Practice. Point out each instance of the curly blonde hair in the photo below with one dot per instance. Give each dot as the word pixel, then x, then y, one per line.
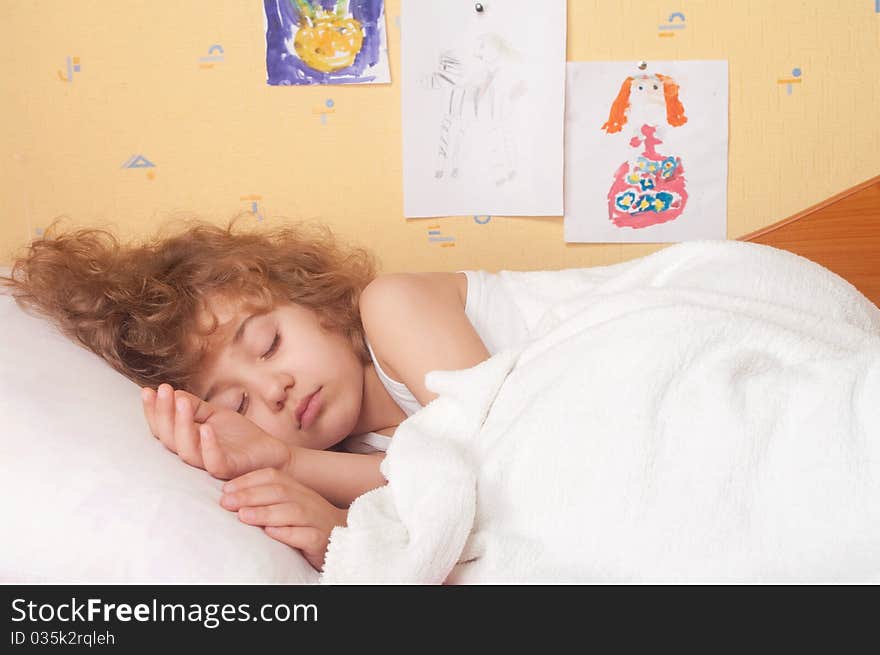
pixel 138 306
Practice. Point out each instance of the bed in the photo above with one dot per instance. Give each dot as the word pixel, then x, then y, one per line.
pixel 99 501
pixel 842 233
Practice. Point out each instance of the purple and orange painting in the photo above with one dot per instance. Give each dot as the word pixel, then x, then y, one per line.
pixel 325 42
pixel 649 188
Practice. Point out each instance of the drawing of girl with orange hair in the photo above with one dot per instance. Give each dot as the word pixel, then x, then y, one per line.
pixel 650 188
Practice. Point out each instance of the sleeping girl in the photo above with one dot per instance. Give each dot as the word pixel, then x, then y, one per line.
pixel 704 413
pixel 278 360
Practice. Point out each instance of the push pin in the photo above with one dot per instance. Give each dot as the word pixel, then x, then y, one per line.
pixel 479 7
pixel 643 65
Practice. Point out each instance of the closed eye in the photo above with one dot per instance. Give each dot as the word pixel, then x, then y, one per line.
pixel 243 405
pixel 273 347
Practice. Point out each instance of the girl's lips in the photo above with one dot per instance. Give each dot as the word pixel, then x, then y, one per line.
pixel 310 406
pixel 303 403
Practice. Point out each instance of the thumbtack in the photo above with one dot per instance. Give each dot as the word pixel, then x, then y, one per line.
pixel 479 7
pixel 643 65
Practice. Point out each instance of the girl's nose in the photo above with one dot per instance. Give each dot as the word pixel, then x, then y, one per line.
pixel 277 395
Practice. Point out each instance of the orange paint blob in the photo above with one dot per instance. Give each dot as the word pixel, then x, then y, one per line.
pixel 329 43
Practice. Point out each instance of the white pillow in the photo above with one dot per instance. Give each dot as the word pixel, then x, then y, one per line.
pixel 91 496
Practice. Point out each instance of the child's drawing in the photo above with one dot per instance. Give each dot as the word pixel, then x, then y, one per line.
pixel 483 96
pixel 646 151
pixel 326 42
pixel 649 188
pixel 479 90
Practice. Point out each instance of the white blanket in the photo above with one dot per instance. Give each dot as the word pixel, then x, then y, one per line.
pixel 709 413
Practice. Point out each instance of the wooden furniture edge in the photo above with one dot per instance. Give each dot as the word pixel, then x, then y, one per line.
pixel 811 210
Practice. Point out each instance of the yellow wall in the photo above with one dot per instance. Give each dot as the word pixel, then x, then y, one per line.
pixel 219 136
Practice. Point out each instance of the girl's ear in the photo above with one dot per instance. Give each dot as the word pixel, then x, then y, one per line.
pixel 619 108
pixel 674 109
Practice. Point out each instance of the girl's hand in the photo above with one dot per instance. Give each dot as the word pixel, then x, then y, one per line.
pixel 289 511
pixel 219 440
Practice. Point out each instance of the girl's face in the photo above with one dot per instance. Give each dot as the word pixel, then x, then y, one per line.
pixel 647 89
pixel 278 359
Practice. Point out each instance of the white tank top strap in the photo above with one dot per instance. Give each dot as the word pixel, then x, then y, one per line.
pixel 396 389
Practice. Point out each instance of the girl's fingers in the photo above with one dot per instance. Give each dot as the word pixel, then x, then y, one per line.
pixel 298 537
pixel 149 399
pixel 202 411
pixel 259 476
pixel 164 416
pixel 280 514
pixel 186 435
pixel 311 541
pixel 216 463
pixel 263 494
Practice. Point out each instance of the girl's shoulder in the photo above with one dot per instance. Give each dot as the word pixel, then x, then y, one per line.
pixel 439 285
pixel 416 323
pixel 449 282
pixel 438 288
pixel 445 284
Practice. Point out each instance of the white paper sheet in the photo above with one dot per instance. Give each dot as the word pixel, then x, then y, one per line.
pixel 670 183
pixel 483 103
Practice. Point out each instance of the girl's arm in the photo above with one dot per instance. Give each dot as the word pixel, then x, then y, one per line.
pixel 339 477
pixel 416 323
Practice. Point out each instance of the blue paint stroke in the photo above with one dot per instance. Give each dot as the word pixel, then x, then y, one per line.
pixel 216 57
pixel 138 161
pixel 256 211
pixel 670 27
pixel 478 221
pixel 681 15
pixel 286 69
pixel 71 69
pixel 797 73
pixel 441 238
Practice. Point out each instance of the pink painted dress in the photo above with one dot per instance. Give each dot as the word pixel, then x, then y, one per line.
pixel 648 190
